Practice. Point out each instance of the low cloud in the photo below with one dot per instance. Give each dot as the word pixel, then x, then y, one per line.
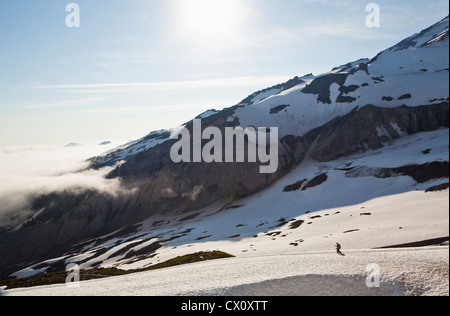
pixel 27 172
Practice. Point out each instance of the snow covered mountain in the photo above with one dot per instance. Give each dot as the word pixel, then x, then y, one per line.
pixel 359 146
pixel 363 201
pixel 412 73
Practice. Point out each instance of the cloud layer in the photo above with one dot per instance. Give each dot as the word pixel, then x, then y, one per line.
pixel 26 172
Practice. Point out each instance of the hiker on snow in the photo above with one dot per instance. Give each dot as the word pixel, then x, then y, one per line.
pixel 338 249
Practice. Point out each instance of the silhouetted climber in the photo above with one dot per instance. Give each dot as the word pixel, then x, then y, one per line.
pixel 338 249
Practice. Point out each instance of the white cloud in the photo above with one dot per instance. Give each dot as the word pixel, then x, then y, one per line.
pixel 66 103
pixel 26 172
pixel 165 86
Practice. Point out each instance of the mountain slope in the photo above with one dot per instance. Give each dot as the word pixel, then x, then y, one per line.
pixel 363 201
pixel 405 272
pixel 413 73
pixel 330 128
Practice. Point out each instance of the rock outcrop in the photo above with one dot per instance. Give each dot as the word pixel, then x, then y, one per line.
pixel 372 127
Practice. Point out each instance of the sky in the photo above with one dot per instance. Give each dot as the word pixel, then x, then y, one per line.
pixel 135 66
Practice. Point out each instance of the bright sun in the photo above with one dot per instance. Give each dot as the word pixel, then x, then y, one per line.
pixel 210 17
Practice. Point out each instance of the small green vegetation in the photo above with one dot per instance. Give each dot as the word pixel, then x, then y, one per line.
pixel 196 257
pixel 60 277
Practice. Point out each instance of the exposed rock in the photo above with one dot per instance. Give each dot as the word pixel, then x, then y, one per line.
pixel 296 224
pixel 279 108
pixel 316 181
pixel 321 86
pixel 351 231
pixel 440 187
pixel 282 87
pixel 422 243
pixel 405 96
pixel 357 131
pixel 294 187
pixel 349 89
pixel 420 173
pixel 378 79
pixel 147 250
pixel 345 99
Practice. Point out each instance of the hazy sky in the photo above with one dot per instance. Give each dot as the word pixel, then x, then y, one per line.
pixel 140 65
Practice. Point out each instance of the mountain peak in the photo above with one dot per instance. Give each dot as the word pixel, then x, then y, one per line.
pixel 430 36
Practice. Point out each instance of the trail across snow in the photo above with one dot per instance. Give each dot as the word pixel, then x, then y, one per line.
pixel 414 271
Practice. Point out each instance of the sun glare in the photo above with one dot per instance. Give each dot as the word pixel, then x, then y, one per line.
pixel 208 18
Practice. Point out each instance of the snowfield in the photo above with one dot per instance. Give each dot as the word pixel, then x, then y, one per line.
pixel 418 271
